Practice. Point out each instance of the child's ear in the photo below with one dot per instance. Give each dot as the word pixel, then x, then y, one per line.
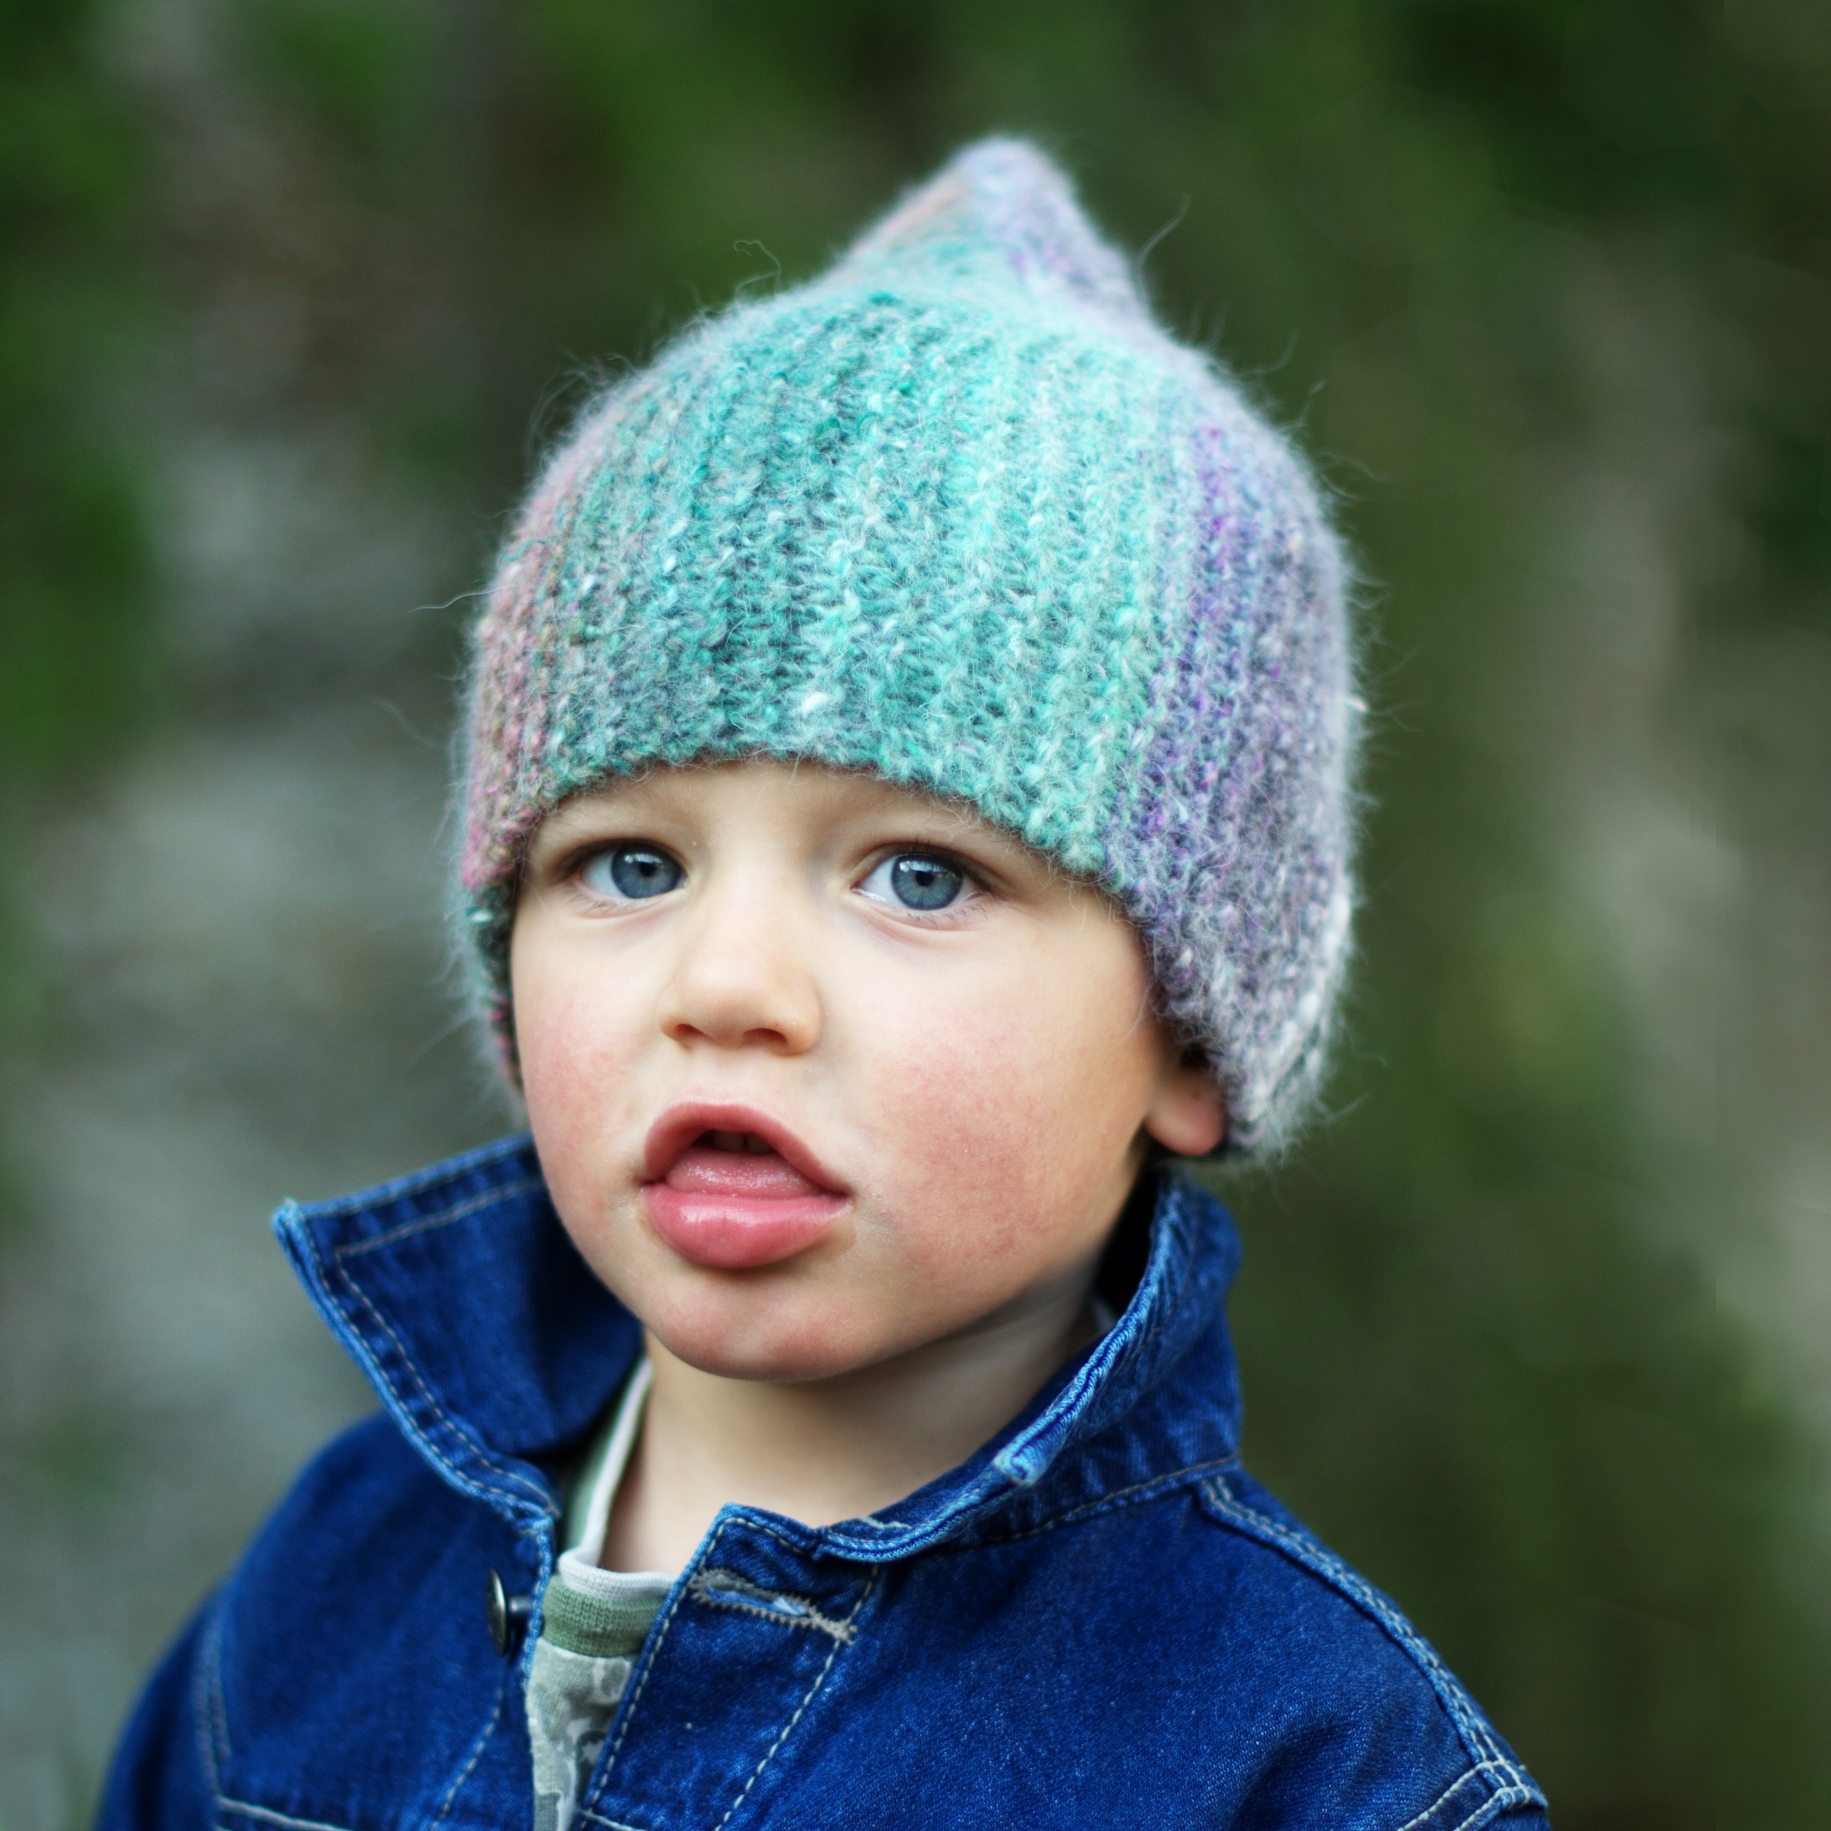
pixel 1187 1115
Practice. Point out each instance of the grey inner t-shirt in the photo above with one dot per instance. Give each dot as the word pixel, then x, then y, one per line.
pixel 593 1624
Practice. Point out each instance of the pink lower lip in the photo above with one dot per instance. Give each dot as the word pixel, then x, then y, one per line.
pixel 734 1209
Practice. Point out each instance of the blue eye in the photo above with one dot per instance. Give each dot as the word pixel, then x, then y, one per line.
pixel 631 873
pixel 917 880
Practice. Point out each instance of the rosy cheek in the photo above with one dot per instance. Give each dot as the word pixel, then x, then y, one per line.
pixel 575 1078
pixel 964 1115
pixel 552 1036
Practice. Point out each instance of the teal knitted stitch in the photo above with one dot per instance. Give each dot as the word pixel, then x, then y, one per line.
pixel 960 512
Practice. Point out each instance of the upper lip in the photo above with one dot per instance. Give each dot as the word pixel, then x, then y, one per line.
pixel 681 1125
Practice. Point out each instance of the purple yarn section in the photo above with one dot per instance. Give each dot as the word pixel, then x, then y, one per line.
pixel 1235 850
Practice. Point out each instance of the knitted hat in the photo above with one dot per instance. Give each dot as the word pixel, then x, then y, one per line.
pixel 959 512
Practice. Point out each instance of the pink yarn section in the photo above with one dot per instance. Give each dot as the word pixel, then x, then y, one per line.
pixel 511 704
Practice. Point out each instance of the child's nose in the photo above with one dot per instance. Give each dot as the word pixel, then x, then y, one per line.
pixel 742 979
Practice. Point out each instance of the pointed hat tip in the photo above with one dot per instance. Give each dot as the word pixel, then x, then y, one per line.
pixel 1001 210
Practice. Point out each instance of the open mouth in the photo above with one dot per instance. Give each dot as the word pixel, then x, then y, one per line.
pixel 731 1187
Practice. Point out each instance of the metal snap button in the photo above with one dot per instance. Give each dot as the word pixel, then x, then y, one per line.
pixel 507 1616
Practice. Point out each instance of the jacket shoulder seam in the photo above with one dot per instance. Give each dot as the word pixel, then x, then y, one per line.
pixel 1487 1808
pixel 1491 1763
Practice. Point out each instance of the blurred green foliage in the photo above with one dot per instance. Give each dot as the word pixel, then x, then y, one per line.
pixel 1483 250
pixel 74 555
pixel 76 634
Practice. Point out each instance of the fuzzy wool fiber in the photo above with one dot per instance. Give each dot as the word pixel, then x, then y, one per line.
pixel 960 512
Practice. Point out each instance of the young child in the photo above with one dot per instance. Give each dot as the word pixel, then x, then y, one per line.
pixel 907 804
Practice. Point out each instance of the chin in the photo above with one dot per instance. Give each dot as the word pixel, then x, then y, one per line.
pixel 775 1347
pixel 768 1362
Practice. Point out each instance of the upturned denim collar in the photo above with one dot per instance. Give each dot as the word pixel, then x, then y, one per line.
pixel 495 1349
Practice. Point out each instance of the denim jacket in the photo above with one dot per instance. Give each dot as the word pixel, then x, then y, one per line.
pixel 1098 1619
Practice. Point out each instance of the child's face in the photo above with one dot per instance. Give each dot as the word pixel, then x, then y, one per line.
pixel 822 1070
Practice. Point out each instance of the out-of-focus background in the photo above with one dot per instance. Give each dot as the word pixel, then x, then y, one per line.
pixel 1538 1328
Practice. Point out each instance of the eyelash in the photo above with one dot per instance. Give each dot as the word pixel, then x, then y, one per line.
pixel 955 914
pixel 968 905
